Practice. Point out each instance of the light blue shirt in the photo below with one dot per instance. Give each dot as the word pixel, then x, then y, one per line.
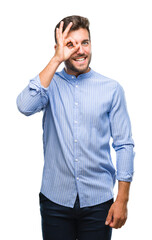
pixel 80 116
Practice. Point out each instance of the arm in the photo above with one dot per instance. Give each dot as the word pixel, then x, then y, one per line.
pixel 62 53
pixel 35 96
pixel 117 215
pixel 123 145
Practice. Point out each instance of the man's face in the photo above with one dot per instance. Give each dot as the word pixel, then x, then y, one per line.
pixel 79 61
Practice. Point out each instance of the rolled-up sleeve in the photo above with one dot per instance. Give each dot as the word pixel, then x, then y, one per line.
pixel 122 136
pixel 33 98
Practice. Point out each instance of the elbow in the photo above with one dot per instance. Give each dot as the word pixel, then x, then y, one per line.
pixel 125 143
pixel 125 146
pixel 22 107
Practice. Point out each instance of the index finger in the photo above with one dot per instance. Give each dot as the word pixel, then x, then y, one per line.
pixel 66 31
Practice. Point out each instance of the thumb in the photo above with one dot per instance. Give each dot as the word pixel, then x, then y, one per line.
pixel 75 48
pixel 109 217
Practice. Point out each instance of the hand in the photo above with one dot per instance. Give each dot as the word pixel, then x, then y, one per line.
pixel 117 214
pixel 63 50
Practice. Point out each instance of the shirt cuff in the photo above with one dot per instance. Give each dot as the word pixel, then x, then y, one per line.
pixel 124 176
pixel 35 85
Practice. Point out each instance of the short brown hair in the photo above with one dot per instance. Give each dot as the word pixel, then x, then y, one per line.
pixel 78 22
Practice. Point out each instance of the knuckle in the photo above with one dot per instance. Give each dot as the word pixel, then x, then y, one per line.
pixel 117 218
pixel 115 226
pixel 124 218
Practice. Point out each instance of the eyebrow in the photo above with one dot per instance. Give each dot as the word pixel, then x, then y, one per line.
pixel 86 40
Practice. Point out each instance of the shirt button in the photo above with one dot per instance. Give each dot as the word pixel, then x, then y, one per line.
pixel 77 178
pixel 76 160
pixel 75 140
pixel 76 86
pixel 75 121
pixel 72 77
pixel 76 103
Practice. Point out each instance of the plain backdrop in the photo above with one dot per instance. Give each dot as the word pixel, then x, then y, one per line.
pixel 122 50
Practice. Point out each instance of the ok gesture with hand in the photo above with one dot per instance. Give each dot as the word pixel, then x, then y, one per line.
pixel 65 46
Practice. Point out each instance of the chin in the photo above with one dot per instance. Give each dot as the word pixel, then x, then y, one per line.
pixel 77 69
pixel 80 69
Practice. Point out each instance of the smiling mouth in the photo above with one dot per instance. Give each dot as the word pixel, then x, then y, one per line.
pixel 80 59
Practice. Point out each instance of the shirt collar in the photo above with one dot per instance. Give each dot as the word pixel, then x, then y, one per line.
pixel 81 76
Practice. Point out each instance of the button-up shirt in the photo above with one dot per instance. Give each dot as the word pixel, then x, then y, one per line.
pixel 80 115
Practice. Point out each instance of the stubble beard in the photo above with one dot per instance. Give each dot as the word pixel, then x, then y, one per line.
pixel 72 68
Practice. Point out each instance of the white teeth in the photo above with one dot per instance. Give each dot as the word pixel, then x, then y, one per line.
pixel 80 59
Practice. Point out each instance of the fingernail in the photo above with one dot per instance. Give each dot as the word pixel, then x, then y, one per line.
pixel 106 223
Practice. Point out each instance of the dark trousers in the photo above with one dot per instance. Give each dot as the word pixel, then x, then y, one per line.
pixel 64 223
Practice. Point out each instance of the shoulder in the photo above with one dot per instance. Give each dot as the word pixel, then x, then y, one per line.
pixel 109 82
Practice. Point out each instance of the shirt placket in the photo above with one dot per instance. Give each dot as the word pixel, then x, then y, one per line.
pixel 76 125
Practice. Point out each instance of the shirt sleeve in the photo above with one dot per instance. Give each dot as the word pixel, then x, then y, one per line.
pixel 122 136
pixel 33 98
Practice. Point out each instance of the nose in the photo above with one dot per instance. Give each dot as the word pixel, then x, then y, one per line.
pixel 80 50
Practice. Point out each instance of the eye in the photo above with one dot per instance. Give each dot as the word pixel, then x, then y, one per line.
pixel 70 44
pixel 85 43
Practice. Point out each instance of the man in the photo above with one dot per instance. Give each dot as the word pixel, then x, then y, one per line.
pixel 82 110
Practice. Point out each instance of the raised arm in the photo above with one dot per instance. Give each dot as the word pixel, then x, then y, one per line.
pixel 62 53
pixel 34 97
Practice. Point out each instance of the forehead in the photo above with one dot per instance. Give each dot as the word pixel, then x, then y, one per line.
pixel 79 35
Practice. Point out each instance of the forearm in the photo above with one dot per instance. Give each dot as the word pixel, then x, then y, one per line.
pixel 123 191
pixel 48 72
pixel 33 98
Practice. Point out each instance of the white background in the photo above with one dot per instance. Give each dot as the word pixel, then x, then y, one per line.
pixel 122 50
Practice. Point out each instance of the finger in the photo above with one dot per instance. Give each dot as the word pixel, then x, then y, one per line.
pixel 66 31
pixel 61 26
pixel 70 40
pixel 122 222
pixel 109 218
pixel 60 30
pixel 119 224
pixel 115 224
pixel 57 35
pixel 75 49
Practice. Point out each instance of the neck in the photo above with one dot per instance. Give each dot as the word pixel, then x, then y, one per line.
pixel 70 72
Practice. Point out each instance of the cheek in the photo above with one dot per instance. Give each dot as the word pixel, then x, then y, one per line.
pixel 88 51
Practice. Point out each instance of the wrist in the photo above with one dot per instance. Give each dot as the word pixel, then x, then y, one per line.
pixel 56 60
pixel 122 199
pixel 123 192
